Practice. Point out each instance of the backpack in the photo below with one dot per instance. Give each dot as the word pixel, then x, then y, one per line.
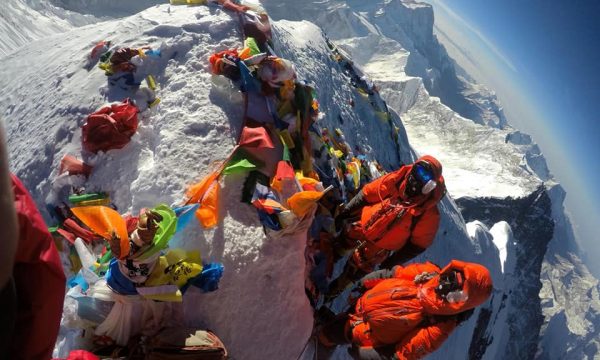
pixel 383 220
pixel 186 343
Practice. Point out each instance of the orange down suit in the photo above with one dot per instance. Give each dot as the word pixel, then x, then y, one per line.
pixel 399 311
pixel 419 223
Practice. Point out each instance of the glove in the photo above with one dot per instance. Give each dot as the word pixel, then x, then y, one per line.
pixel 424 277
pixel 369 353
pixel 358 201
pixel 147 226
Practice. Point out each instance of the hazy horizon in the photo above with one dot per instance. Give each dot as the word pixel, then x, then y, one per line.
pixel 544 91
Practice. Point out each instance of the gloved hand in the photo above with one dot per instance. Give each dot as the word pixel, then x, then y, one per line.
pixel 147 226
pixel 424 277
pixel 370 353
pixel 357 202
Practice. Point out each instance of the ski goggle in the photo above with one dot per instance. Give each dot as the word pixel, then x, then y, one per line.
pixel 423 172
pixel 450 281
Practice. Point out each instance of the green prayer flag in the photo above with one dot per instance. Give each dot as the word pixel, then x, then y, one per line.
pixel 286 153
pixel 239 166
pixel 251 43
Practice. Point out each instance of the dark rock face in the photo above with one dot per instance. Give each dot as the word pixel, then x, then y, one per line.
pixel 480 341
pixel 531 221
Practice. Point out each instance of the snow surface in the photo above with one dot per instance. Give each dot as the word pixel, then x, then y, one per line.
pixel 22 21
pixel 194 125
pixel 260 310
pixel 502 234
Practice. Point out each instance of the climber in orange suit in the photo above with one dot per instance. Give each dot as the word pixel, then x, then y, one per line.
pixel 396 213
pixel 408 312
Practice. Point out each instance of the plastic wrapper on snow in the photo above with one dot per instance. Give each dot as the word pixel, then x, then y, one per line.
pixel 133 315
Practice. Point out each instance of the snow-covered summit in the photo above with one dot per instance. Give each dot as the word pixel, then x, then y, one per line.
pixel 507 195
pixel 46 94
pixel 261 310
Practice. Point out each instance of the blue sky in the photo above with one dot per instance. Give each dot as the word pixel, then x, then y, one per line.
pixel 543 60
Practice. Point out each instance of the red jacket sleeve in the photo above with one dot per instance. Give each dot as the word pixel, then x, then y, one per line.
pixel 383 187
pixel 426 228
pixel 39 280
pixel 370 280
pixel 410 271
pixel 423 341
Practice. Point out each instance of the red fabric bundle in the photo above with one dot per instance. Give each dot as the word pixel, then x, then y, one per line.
pixel 111 127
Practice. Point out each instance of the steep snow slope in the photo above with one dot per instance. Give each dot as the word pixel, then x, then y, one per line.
pixel 261 310
pixel 509 333
pixel 409 24
pixel 389 39
pixel 393 42
pixel 46 95
pixel 570 294
pixel 22 21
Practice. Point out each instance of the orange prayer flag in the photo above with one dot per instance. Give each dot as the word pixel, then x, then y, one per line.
pixel 208 212
pixel 301 203
pixel 196 192
pixel 105 222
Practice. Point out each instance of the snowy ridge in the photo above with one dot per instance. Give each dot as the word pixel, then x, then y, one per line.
pixel 505 189
pixel 23 21
pixel 195 125
pixel 174 146
pixel 532 229
pixel 407 62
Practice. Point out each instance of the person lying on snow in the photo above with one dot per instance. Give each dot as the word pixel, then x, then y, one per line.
pixel 408 312
pixel 394 213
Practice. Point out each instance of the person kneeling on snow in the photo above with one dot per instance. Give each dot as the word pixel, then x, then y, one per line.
pixel 394 213
pixel 408 312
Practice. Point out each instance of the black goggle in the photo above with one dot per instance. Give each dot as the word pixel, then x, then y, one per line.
pixel 450 281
